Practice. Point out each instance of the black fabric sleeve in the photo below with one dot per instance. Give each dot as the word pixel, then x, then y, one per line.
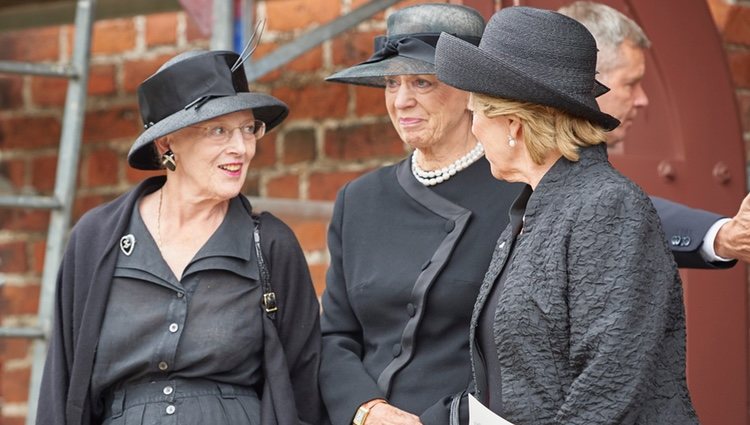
pixel 345 384
pixel 56 377
pixel 440 413
pixel 685 228
pixel 298 316
pixel 625 300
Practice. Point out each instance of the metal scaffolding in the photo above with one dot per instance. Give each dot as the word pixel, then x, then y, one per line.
pixel 61 202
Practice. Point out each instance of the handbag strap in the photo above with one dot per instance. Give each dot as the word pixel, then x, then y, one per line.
pixel 268 301
pixel 455 408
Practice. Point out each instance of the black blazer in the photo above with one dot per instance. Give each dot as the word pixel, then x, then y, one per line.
pixel 406 265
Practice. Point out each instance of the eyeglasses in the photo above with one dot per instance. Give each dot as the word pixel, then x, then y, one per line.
pixel 221 133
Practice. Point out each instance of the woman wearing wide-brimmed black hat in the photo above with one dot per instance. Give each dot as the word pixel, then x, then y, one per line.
pixel 410 242
pixel 165 309
pixel 580 318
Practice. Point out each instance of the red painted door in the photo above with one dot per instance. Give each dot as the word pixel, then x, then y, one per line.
pixel 688 147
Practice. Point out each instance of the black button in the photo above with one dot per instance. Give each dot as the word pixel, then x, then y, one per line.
pixel 449 226
pixel 411 309
pixel 396 350
pixel 685 241
pixel 675 240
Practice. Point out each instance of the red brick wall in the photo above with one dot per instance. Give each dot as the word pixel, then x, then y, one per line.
pixel 334 133
pixel 732 19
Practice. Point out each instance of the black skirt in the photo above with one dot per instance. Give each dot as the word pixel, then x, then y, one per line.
pixel 182 402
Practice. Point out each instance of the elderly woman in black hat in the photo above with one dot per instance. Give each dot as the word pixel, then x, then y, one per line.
pixel 410 242
pixel 580 317
pixel 175 302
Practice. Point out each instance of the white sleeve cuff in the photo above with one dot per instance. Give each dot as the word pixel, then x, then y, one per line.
pixel 707 248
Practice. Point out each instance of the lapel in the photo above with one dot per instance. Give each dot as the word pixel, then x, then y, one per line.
pixel 500 257
pixel 523 214
pixel 456 220
pixel 98 285
pixel 426 196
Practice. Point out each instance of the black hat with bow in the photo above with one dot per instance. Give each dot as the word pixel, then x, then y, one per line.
pixel 408 48
pixel 192 87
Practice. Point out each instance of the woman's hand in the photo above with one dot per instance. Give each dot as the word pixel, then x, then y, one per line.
pixel 385 414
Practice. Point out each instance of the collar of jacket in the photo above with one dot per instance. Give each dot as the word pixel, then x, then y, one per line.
pixel 556 177
pixel 456 220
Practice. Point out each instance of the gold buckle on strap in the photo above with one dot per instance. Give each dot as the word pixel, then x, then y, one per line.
pixel 269 302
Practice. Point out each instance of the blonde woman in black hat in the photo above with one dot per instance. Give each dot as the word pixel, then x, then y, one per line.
pixel 580 317
pixel 410 242
pixel 167 312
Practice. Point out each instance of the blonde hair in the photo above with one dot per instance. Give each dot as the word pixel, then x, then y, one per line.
pixel 544 128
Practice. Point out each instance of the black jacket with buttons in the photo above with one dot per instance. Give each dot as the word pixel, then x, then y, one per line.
pixel 406 265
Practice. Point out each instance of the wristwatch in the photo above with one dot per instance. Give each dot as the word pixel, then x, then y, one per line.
pixel 361 416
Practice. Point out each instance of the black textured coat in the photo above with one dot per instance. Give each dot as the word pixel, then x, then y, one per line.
pixel 83 285
pixel 590 325
pixel 406 266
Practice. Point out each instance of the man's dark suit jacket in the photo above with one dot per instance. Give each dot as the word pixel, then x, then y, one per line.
pixel 685 228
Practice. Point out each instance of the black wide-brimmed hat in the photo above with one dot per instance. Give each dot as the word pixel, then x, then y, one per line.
pixel 529 55
pixel 192 87
pixel 408 48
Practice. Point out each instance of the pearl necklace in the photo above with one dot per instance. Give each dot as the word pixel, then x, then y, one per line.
pixel 431 178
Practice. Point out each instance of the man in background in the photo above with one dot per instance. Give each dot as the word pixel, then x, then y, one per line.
pixel 699 239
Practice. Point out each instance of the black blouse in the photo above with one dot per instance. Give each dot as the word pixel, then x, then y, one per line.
pixel 490 368
pixel 206 325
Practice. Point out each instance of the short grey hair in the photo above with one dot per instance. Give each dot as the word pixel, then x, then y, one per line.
pixel 610 29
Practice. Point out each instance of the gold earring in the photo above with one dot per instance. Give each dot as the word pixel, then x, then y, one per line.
pixel 167 160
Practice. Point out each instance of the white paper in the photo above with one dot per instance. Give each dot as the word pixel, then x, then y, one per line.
pixel 481 415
